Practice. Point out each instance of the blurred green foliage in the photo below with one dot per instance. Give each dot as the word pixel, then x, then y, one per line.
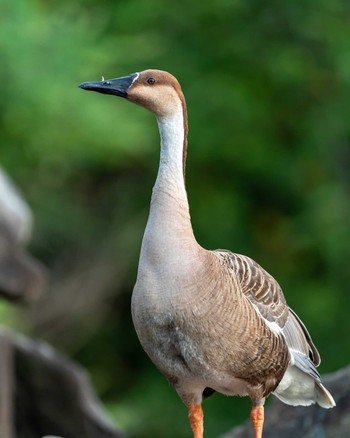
pixel 268 91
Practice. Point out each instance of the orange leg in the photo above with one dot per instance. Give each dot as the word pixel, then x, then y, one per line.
pixel 257 417
pixel 195 415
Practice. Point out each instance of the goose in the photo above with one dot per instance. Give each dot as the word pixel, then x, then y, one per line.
pixel 211 321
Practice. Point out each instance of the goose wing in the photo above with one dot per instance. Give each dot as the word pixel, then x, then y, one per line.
pixel 266 295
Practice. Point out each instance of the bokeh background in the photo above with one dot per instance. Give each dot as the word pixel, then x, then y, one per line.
pixel 268 91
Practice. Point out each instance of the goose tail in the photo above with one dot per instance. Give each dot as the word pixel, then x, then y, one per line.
pixel 323 396
pixel 301 384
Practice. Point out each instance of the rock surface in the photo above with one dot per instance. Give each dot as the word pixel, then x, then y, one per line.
pixel 22 277
pixel 307 422
pixel 43 393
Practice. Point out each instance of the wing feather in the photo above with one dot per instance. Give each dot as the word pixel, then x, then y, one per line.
pixel 266 295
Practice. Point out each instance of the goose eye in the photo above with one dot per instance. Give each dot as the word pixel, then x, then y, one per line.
pixel 151 81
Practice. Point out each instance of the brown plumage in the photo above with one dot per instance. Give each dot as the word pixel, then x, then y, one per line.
pixel 209 320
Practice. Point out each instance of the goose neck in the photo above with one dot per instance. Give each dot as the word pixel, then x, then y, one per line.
pixel 173 142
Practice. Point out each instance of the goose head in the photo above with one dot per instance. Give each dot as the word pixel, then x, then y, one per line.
pixel 156 90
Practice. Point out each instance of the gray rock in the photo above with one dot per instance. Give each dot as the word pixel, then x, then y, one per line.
pixel 307 422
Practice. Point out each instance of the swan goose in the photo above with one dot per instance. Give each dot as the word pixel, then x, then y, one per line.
pixel 209 320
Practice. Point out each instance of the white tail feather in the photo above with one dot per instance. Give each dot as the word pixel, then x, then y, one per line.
pixel 298 388
pixel 323 396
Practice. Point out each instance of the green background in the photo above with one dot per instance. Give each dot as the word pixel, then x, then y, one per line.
pixel 268 92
